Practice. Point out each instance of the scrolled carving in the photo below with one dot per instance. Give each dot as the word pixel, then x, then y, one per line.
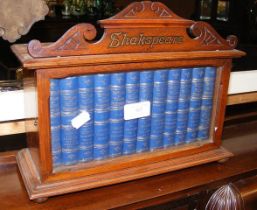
pixel 160 10
pixel 72 43
pixel 34 46
pixel 90 32
pixel 74 39
pixel 207 36
pixel 146 10
pixel 204 34
pixel 232 41
pixel 135 9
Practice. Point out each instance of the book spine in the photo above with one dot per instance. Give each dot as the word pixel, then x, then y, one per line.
pixel 130 126
pixel 117 94
pixel 86 103
pixel 207 103
pixel 195 104
pixel 158 108
pixel 144 124
pixel 183 106
pixel 171 107
pixel 69 109
pixel 101 115
pixel 55 122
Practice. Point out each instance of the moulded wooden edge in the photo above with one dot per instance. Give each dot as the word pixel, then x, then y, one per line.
pixel 40 190
pixel 242 98
pixel 30 63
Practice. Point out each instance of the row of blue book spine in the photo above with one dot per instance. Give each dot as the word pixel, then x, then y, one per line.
pixel 181 109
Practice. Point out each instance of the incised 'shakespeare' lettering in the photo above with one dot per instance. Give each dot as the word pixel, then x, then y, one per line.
pixel 123 39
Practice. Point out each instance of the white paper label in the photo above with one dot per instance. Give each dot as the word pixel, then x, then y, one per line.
pixel 137 110
pixel 80 119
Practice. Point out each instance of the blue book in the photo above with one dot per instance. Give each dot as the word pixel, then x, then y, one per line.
pixel 195 104
pixel 183 106
pixel 55 122
pixel 69 145
pixel 144 124
pixel 207 103
pixel 160 85
pixel 69 110
pixel 116 137
pixel 56 145
pixel 101 115
pixel 130 126
pixel 171 107
pixel 86 104
pixel 117 94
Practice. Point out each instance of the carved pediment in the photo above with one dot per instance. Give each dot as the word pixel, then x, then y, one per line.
pixel 140 28
pixel 146 10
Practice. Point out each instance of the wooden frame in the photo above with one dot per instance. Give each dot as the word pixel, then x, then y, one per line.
pixel 171 46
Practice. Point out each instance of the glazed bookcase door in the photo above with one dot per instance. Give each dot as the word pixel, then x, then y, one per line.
pixel 172 92
pixel 94 117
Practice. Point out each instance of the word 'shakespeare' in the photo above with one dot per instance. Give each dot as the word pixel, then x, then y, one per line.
pixel 123 39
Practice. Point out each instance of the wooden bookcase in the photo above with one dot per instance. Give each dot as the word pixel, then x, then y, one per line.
pixel 155 38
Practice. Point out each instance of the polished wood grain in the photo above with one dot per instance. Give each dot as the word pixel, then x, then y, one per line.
pixel 37 189
pixel 150 191
pixel 8 158
pixel 12 127
pixel 30 63
pixel 242 98
pixel 16 127
pixel 162 42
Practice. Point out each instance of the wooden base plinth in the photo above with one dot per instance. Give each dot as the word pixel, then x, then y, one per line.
pixel 38 190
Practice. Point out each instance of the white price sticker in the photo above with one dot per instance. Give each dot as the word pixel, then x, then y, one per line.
pixel 80 119
pixel 137 110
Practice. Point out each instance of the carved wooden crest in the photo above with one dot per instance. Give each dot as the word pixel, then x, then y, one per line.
pixel 141 27
pixel 146 10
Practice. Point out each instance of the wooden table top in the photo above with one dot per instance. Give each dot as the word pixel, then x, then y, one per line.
pixel 240 139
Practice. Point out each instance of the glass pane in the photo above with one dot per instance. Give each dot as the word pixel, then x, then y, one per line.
pixel 166 108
